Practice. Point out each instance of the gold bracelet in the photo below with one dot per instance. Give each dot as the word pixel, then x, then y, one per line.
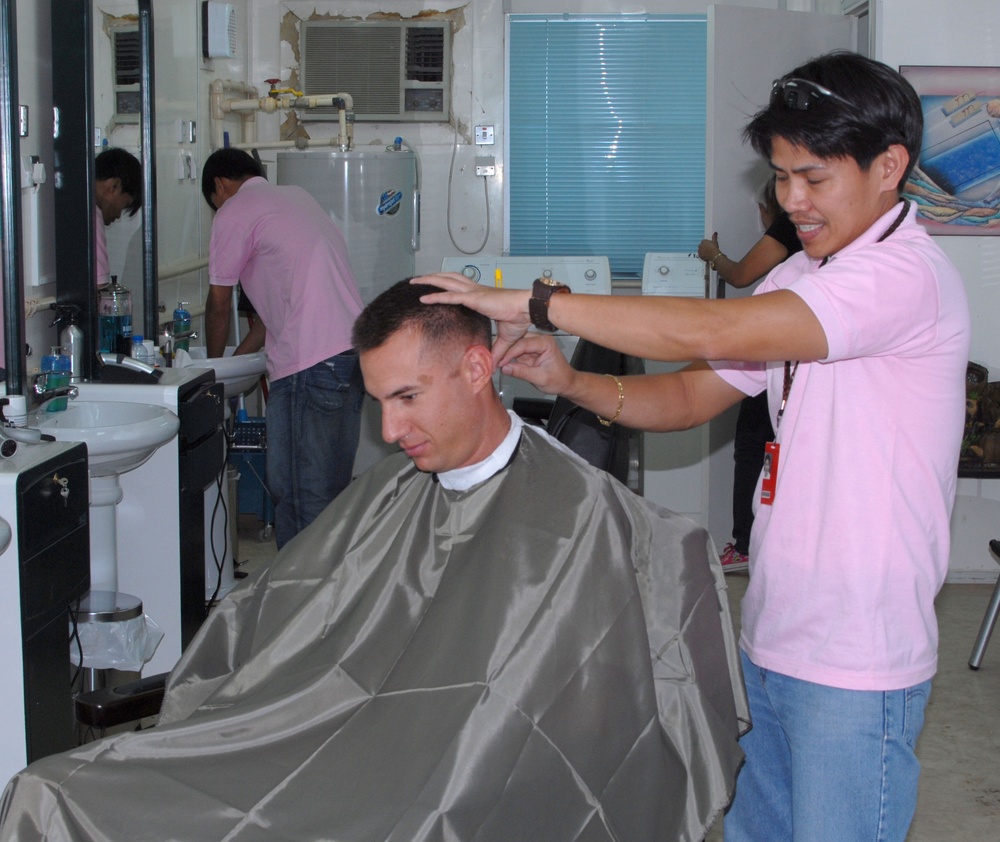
pixel 712 262
pixel 621 402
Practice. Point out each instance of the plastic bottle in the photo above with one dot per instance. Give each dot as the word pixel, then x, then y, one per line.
pixel 57 369
pixel 182 324
pixel 71 339
pixel 138 349
pixel 114 308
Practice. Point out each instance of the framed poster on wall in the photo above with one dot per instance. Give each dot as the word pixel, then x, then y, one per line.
pixel 956 182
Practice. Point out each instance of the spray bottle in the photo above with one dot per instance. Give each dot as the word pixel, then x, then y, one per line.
pixel 70 338
pixel 182 324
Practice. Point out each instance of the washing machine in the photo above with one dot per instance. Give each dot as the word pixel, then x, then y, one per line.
pixel 690 471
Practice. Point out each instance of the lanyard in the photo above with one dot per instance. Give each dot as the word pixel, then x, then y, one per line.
pixel 791 369
pixel 785 389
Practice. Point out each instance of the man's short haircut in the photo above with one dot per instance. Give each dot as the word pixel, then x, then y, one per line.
pixel 123 165
pixel 884 110
pixel 400 307
pixel 227 163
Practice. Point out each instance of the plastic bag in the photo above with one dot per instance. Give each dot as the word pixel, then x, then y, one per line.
pixel 122 645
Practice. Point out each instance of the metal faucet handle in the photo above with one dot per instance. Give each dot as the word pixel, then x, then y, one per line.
pixel 47 396
pixel 39 381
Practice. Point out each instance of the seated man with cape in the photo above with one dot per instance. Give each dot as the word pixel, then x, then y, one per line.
pixel 482 638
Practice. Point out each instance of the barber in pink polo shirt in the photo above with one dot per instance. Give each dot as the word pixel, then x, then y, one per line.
pixel 291 261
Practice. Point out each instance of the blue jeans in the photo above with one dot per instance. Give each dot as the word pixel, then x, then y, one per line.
pixel 313 426
pixel 824 764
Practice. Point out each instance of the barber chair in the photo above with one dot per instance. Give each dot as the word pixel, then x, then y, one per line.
pixel 615 449
pixel 989 619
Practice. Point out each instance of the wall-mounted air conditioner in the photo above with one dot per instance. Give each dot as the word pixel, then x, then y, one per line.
pixel 393 70
pixel 125 72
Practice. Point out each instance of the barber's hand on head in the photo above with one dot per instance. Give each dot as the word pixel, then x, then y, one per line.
pixel 507 307
pixel 539 360
pixel 708 250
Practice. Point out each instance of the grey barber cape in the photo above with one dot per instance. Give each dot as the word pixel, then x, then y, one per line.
pixel 541 657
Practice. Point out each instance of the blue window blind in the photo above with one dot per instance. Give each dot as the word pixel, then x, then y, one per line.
pixel 606 134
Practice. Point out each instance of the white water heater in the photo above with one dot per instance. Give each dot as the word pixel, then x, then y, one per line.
pixel 372 197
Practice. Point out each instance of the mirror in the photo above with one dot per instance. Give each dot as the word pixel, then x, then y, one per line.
pixel 73 100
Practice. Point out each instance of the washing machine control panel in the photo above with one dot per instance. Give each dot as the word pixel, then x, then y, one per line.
pixel 583 274
pixel 675 273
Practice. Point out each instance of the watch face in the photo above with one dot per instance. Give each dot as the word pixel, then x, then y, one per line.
pixel 551 282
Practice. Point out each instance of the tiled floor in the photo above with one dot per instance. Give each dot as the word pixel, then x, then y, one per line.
pixel 960 744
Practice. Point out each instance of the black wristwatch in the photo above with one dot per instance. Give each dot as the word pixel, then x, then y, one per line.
pixel 538 305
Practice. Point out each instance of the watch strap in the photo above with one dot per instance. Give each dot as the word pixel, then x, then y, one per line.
pixel 542 291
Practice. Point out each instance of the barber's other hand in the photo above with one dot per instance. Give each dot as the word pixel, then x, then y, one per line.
pixel 539 360
pixel 708 250
pixel 508 308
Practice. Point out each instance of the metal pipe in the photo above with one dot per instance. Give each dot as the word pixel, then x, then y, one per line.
pixel 176 270
pixel 250 104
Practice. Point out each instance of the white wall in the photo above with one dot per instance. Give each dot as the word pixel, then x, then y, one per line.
pixel 453 221
pixel 943 38
pixel 35 91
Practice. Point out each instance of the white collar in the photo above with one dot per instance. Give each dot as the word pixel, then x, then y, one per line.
pixel 462 479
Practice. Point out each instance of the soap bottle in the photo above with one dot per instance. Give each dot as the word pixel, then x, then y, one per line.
pixel 114 308
pixel 57 369
pixel 182 324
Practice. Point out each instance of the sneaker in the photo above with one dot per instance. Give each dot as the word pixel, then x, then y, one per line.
pixel 733 561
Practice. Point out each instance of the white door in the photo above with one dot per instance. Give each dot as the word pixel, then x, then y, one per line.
pixel 748 49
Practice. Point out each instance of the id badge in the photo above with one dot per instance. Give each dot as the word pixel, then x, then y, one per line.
pixel 769 479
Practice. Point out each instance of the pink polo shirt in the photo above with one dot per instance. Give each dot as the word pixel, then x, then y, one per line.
pixel 102 267
pixel 292 263
pixel 846 563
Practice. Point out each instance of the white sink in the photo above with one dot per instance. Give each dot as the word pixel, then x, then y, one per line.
pixel 239 375
pixel 119 436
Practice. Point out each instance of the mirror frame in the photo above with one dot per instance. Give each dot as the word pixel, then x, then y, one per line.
pixel 10 202
pixel 73 104
pixel 147 124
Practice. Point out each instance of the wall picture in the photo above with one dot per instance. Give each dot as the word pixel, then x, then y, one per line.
pixel 956 182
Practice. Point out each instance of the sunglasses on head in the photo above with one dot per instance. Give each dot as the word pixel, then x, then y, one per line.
pixel 801 94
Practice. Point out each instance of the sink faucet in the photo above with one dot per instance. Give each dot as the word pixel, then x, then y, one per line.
pixel 119 368
pixel 168 340
pixel 44 396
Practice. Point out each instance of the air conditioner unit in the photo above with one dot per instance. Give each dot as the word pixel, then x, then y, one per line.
pixel 126 72
pixel 393 70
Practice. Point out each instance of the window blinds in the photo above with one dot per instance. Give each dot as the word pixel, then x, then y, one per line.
pixel 606 134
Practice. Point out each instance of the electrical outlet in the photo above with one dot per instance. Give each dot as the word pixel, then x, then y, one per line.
pixel 484 135
pixel 486 165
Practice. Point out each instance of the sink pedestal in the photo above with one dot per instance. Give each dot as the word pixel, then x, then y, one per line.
pixel 105 495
